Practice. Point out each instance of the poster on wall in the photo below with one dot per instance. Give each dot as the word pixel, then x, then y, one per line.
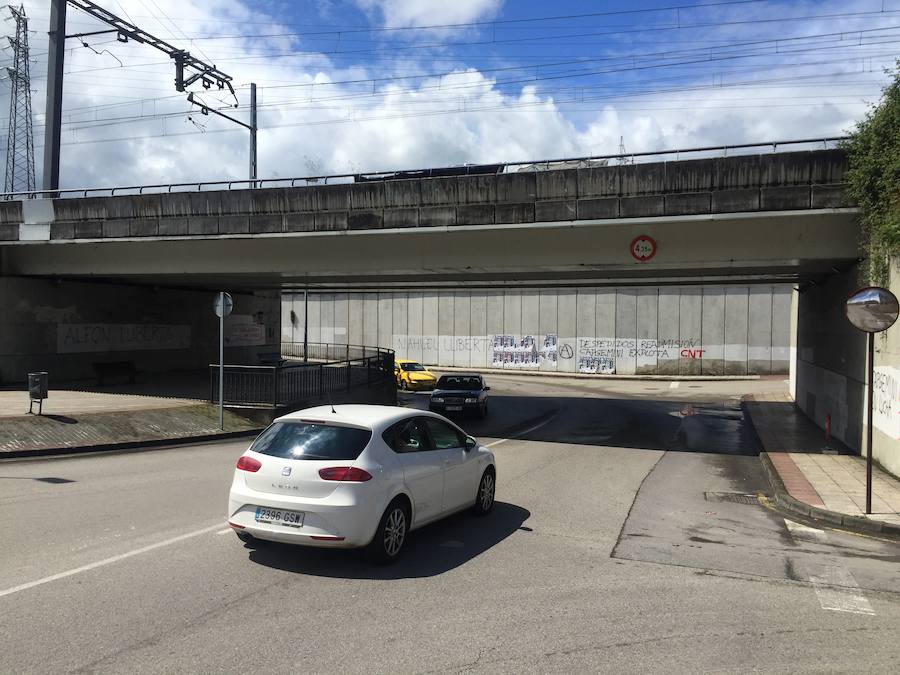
pixel 243 330
pixel 510 351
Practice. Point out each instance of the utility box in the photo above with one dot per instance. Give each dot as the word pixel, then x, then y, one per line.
pixel 38 385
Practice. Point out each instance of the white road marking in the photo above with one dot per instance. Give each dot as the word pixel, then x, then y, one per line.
pixel 225 531
pixel 108 561
pixel 834 585
pixel 527 431
pixel 838 591
pixel 799 531
pixel 674 385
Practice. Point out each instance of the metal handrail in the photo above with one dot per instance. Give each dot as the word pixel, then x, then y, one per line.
pixel 374 175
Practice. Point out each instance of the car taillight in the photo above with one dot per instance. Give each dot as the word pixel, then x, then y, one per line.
pixel 249 464
pixel 345 473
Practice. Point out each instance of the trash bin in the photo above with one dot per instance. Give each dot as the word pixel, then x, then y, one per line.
pixel 38 385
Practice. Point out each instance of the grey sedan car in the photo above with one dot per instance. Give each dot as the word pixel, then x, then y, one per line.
pixel 464 392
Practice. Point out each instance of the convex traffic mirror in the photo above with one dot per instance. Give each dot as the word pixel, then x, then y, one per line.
pixel 872 309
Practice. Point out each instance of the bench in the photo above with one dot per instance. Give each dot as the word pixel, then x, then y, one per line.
pixel 114 369
pixel 270 359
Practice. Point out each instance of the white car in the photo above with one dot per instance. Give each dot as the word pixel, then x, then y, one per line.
pixel 357 476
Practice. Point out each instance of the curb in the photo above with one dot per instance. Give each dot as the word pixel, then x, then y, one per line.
pixel 794 506
pixel 595 376
pixel 126 446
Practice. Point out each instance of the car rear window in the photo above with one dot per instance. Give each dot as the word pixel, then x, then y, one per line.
pixel 302 440
pixel 457 382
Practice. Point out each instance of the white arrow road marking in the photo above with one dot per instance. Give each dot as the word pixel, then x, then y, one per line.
pixel 834 585
pixel 673 385
pixel 108 561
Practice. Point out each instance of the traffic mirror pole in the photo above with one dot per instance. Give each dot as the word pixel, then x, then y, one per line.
pixel 222 362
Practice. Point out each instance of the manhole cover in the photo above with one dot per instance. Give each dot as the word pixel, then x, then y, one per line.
pixel 735 497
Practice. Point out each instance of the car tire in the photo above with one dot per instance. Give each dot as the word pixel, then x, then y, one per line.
pixel 391 534
pixel 484 498
pixel 482 411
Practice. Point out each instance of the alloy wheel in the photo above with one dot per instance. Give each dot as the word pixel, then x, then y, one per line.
pixel 394 532
pixel 486 494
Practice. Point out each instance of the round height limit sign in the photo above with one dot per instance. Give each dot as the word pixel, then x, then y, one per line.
pixel 643 248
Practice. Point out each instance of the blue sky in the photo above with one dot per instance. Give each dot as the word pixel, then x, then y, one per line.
pixel 366 85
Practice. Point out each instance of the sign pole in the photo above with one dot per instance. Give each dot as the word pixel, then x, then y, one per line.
pixel 222 362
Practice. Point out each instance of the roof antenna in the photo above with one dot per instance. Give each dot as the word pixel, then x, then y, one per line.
pixel 331 402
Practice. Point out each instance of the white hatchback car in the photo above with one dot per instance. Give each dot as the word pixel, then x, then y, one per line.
pixel 357 476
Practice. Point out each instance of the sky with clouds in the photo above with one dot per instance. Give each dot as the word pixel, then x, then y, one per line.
pixel 370 85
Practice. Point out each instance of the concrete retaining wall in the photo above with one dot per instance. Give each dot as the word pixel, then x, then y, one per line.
pixel 65 327
pixel 710 330
pixel 831 359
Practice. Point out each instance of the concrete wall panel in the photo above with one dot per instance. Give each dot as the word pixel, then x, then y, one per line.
pixel 668 331
pixel 759 336
pixel 326 318
pixel 480 357
pixel 401 314
pixel 647 331
pixel 430 327
pixel 626 331
pixel 355 319
pixel 512 313
pixel 370 319
pixel 549 326
pixel 736 330
pixel 462 329
pixel 412 348
pixel 341 319
pixel 713 331
pixel 781 338
pixel 566 309
pixel 385 319
pixel 690 323
pixel 446 301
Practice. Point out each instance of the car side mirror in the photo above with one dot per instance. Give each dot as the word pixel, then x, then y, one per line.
pixel 471 443
pixel 486 388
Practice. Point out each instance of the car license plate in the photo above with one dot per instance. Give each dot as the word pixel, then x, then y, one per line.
pixel 454 408
pixel 279 517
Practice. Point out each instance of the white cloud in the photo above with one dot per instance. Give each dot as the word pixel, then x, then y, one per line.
pixel 412 13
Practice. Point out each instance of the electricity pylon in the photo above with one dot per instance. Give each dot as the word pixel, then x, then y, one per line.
pixel 20 137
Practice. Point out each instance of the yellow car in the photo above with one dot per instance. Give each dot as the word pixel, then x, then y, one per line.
pixel 413 375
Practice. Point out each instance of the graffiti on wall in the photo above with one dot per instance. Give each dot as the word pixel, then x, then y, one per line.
pixel 886 400
pixel 591 355
pixel 114 337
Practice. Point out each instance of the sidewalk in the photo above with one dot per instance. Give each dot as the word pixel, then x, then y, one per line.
pixel 80 421
pixel 821 481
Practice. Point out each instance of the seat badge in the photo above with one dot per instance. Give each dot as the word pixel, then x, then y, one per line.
pixel 286 471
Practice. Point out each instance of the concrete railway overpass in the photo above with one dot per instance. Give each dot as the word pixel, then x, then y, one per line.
pixel 413 259
pixel 778 216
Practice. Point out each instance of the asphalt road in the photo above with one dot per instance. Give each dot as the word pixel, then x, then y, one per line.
pixel 627 537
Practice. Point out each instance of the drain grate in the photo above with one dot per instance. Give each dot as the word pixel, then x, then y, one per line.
pixel 734 497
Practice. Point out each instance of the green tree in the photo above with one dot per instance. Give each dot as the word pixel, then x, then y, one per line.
pixel 874 179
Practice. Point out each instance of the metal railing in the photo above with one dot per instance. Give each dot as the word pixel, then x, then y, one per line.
pixel 293 382
pixel 506 167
